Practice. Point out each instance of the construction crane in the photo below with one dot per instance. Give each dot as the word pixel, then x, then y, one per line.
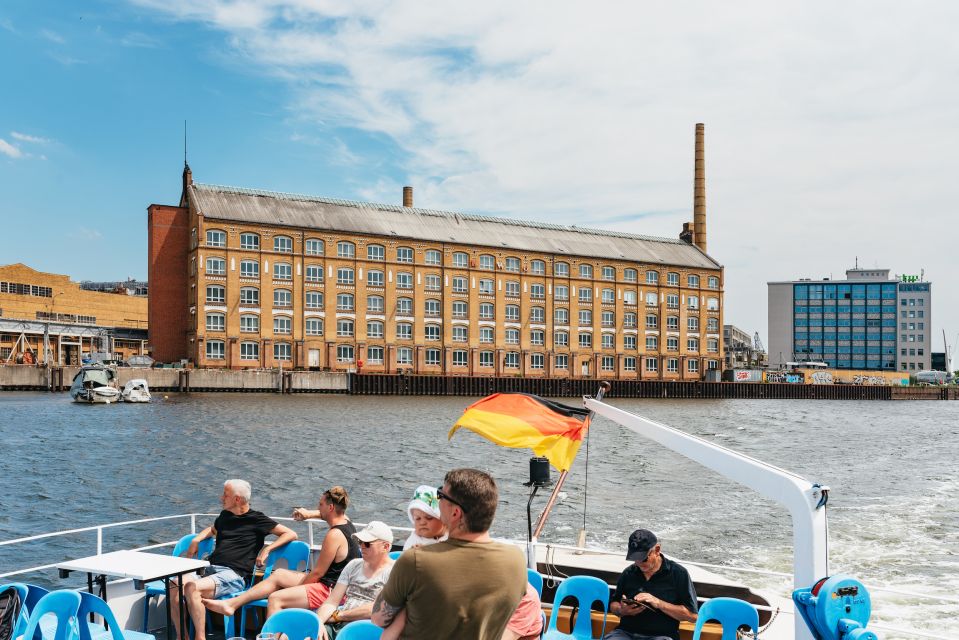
pixel 758 350
pixel 757 343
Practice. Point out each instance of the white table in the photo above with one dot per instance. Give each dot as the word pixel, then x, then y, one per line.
pixel 141 566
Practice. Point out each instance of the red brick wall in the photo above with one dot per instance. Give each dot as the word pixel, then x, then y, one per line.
pixel 168 231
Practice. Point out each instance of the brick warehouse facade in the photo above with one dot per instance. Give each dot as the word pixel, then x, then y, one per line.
pixel 252 279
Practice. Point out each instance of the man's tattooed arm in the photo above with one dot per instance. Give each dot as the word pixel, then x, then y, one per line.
pixel 383 612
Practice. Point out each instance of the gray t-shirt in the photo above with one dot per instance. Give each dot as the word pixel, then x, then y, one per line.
pixel 361 590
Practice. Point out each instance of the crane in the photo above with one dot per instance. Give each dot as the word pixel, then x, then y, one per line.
pixel 757 343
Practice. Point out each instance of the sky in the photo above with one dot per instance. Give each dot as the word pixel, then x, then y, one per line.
pixel 831 129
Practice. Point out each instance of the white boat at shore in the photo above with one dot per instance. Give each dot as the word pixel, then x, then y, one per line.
pixel 95 384
pixel 136 390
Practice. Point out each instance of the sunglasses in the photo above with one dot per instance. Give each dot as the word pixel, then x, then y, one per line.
pixel 367 545
pixel 443 496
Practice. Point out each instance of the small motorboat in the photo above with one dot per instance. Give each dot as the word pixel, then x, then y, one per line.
pixel 136 390
pixel 95 384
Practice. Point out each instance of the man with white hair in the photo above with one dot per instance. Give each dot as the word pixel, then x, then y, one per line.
pixel 240 533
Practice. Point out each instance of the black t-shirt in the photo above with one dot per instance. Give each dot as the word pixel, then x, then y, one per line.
pixel 353 551
pixel 670 584
pixel 239 539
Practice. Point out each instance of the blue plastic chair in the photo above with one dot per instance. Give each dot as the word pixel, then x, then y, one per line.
pixel 732 613
pixel 64 606
pixel 360 630
pixel 586 590
pixel 395 554
pixel 295 624
pixel 535 578
pixel 155 589
pixel 90 603
pixel 296 554
pixel 20 624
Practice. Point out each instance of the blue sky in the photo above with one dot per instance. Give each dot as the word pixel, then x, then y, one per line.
pixel 830 130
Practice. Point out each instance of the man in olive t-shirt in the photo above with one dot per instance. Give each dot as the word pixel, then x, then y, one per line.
pixel 465 587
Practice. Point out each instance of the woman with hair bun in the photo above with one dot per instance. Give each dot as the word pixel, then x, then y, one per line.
pixel 286 589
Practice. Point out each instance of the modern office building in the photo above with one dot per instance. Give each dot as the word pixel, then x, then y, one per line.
pixel 867 321
pixel 250 279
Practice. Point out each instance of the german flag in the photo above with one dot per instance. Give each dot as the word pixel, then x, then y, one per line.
pixel 522 420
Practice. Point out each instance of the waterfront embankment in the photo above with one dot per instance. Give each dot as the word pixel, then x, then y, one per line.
pixel 28 378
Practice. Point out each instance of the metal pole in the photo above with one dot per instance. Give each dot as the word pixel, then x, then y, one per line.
pixel 603 388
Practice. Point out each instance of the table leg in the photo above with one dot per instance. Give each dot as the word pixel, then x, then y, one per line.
pixel 179 580
pixel 169 618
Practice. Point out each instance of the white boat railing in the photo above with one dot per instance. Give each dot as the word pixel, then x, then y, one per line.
pixel 310 524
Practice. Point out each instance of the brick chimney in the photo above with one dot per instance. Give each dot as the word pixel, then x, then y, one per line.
pixel 699 190
pixel 407 196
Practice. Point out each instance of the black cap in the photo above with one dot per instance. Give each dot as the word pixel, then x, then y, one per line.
pixel 640 542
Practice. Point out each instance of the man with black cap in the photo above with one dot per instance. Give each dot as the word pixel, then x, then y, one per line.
pixel 652 595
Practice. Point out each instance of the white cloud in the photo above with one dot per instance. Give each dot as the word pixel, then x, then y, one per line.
pixel 9 150
pixel 829 134
pixel 23 137
pixel 139 40
pixel 52 36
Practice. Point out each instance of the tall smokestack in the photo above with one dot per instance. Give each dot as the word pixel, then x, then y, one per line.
pixel 407 196
pixel 699 189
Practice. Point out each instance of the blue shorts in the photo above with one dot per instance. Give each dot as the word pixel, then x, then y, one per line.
pixel 226 580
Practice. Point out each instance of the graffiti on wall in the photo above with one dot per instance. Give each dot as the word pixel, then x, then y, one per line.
pixel 784 377
pixel 742 376
pixel 822 377
pixel 868 380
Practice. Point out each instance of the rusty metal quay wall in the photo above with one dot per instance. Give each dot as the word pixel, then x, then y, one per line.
pixel 374 384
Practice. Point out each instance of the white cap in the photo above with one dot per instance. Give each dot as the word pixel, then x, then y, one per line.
pixel 375 530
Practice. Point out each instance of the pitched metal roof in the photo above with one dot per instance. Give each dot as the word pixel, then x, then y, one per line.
pixel 284 209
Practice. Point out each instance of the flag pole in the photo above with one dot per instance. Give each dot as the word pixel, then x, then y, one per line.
pixel 603 388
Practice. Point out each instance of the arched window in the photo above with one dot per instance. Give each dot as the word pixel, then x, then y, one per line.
pixel 375 252
pixel 283 244
pixel 345 249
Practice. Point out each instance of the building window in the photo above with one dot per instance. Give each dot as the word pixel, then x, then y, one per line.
pixel 404 280
pixel 374 304
pixel 652 321
pixel 672 323
pixel 692 302
pixel 375 252
pixel 512 264
pixel 314 273
pixel 561 292
pixel 486 287
pixel 630 275
pixel 460 358
pixel 712 282
pixel 652 299
pixel 537 337
pixel 560 339
pixel 314 247
pixel 512 336
pixel 586 271
pixel 712 345
pixel 712 325
pixel 431 307
pixel 512 360
pixel 404 355
pixel 249 351
pixel 432 356
pixel 345 250
pixel 629 363
pixel 672 279
pixel 282 298
pixel 432 255
pixel 512 289
pixel 374 329
pixel 344 328
pixel 487 262
pixel 249 269
pixel 629 297
pixel 692 344
pixel 215 350
pixel 249 296
pixel 374 355
pixel 672 300
pixel 652 277
pixel 692 324
pixel 512 313
pixel 486 359
pixel 585 318
pixel 215 238
pixel 692 365
pixel 404 331
pixel 344 353
pixel 609 273
pixel 432 332
pixel 405 254
pixel 561 269
pixel 562 361
pixel 609 296
pixel 537 314
pixel 609 341
pixel 460 333
pixel 249 324
pixel 459 285
pixel 345 302
pixel 586 341
pixel 486 310
pixel 249 241
pixel 652 343
pixel 344 275
pixel 283 244
pixel 672 343
pixel 461 260
pixel 585 294
pixel 460 309
pixel 282 271
pixel 374 278
pixel 282 325
pixel 629 320
pixel 486 335
pixel 538 267
pixel 692 281
pixel 404 306
pixel 537 291
pixel 608 319
pixel 215 322
pixel 672 365
pixel 314 326
pixel 561 316
pixel 215 266
pixel 536 361
pixel 215 294
pixel 652 364
pixel 629 342
pixel 712 304
pixel 606 363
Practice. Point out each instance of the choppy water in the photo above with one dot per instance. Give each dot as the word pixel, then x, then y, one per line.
pixel 893 510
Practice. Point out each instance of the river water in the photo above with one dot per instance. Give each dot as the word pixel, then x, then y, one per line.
pixel 891 466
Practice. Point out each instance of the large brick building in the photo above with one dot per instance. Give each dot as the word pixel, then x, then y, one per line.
pixel 244 279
